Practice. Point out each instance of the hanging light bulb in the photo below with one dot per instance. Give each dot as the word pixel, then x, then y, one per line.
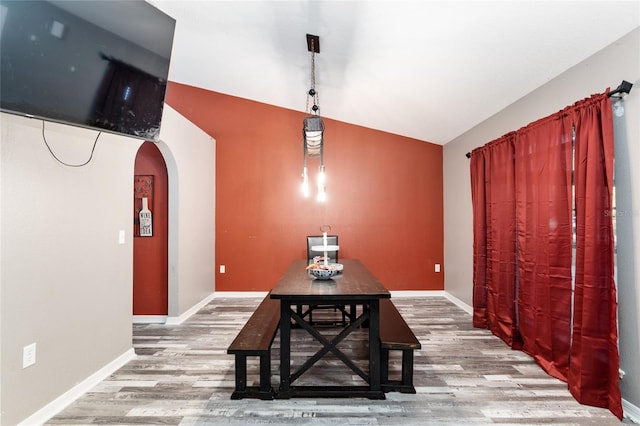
pixel 321 175
pixel 322 195
pixel 305 182
pixel 322 189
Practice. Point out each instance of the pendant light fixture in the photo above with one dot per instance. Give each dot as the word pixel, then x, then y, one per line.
pixel 313 128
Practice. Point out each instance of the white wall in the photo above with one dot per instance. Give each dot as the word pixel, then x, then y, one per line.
pixel 619 61
pixel 65 282
pixel 191 157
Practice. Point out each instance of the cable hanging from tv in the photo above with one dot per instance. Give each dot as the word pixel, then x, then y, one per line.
pixel 95 142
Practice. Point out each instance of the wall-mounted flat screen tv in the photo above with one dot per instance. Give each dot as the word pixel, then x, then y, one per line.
pixel 100 64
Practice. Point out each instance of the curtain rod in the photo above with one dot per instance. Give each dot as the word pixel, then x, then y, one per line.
pixel 623 88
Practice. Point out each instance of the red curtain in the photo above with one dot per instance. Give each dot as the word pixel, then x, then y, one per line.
pixel 479 202
pixel 593 371
pixel 522 186
pixel 544 210
pixel 493 196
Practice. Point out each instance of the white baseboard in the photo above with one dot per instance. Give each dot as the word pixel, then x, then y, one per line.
pixel 195 308
pixel 459 303
pixel 631 411
pixel 60 403
pixel 416 293
pixel 239 294
pixel 433 293
pixel 149 319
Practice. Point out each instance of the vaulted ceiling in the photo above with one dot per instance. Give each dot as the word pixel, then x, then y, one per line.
pixel 430 70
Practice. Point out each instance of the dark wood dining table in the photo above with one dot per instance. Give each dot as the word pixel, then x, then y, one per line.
pixel 355 285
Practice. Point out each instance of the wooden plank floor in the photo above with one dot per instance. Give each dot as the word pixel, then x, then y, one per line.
pixel 183 376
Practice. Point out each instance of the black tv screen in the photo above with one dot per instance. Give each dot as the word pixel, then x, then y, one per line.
pixel 100 64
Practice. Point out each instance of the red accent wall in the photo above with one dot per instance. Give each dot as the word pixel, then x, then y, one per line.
pixel 384 194
pixel 150 254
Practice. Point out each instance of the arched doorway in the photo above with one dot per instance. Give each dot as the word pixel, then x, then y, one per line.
pixel 150 244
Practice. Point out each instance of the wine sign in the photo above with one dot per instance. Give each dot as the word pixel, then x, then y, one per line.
pixel 146 228
pixel 143 206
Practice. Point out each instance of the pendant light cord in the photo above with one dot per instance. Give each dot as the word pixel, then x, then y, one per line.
pixel 313 93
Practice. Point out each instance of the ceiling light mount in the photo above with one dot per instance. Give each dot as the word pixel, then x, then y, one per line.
pixel 313 43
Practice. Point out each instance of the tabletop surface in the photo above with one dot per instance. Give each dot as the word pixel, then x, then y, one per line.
pixel 354 281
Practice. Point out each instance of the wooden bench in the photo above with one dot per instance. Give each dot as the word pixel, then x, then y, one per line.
pixel 255 339
pixel 395 334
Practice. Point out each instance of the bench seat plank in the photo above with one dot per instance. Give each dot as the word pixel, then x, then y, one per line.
pixel 258 332
pixel 255 339
pixel 395 334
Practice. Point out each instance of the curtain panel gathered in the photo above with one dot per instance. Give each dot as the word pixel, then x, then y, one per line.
pixel 543 220
pixel 494 208
pixel 594 360
pixel 525 186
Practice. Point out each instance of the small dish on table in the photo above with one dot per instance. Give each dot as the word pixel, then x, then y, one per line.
pixel 324 272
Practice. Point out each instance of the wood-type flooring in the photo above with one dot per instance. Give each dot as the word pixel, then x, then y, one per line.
pixel 182 375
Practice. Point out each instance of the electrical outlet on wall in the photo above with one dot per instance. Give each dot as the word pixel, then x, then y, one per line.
pixel 28 355
pixel 437 268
